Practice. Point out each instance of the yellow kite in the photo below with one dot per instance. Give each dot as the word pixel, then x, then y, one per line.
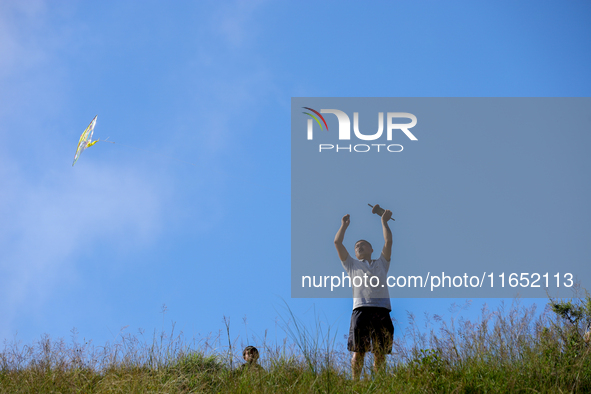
pixel 85 140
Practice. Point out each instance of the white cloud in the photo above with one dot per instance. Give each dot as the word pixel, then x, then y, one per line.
pixel 31 75
pixel 54 216
pixel 236 21
pixel 233 76
pixel 52 227
pixel 17 46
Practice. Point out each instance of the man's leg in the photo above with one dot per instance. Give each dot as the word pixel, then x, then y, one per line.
pixel 358 342
pixel 357 364
pixel 382 338
pixel 379 358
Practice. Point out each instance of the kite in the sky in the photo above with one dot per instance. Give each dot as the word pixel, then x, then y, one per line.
pixel 85 140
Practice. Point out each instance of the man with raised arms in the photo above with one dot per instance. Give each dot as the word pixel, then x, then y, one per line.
pixel 371 326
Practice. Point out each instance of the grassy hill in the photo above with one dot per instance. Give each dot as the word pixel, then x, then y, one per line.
pixel 508 350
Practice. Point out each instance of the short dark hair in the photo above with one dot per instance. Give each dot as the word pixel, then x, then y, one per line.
pixel 250 349
pixel 362 240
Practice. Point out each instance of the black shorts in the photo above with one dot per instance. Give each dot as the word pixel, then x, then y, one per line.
pixel 371 330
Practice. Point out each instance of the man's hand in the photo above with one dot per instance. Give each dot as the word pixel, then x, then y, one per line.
pixel 338 239
pixel 346 220
pixel 387 215
pixel 387 250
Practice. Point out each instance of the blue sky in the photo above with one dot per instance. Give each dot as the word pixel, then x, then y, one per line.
pixel 103 245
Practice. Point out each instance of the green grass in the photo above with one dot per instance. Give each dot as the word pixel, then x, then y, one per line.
pixel 508 350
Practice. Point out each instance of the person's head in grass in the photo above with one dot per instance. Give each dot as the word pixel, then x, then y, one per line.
pixel 250 354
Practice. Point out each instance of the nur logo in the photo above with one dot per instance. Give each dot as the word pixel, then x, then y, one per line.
pixel 345 129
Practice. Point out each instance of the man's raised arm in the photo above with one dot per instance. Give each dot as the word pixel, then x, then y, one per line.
pixel 338 239
pixel 387 251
